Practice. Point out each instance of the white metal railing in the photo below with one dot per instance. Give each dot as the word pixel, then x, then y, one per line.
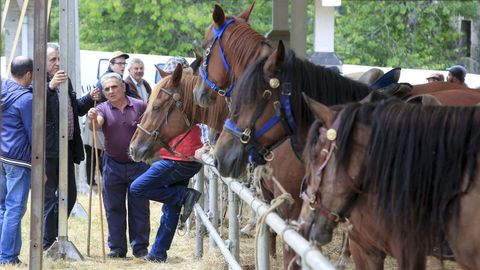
pixel 311 256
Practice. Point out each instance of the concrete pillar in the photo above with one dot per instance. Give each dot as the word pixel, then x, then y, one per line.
pixel 279 23
pixel 324 34
pixel 25 41
pixel 475 43
pixel 298 41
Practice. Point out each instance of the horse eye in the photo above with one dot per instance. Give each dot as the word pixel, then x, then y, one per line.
pixel 155 108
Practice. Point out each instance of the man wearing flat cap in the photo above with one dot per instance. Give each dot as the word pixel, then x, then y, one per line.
pixel 456 74
pixel 435 77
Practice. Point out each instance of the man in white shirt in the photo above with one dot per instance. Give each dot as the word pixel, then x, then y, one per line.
pixel 135 79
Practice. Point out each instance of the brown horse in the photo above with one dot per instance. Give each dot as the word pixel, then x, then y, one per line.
pixel 271 108
pixel 171 112
pixel 428 88
pixel 231 46
pixel 430 156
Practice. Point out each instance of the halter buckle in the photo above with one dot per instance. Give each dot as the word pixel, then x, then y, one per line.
pixel 246 135
pixel 267 94
pixel 221 92
pixel 207 52
pixel 268 156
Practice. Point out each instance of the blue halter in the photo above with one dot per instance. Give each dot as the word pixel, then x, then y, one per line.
pixel 258 154
pixel 204 73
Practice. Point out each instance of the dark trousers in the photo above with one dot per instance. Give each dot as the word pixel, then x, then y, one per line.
pixel 50 214
pixel 90 161
pixel 117 178
pixel 165 181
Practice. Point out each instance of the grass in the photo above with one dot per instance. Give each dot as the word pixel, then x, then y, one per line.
pixel 180 256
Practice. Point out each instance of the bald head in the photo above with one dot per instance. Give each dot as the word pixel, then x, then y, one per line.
pixel 20 66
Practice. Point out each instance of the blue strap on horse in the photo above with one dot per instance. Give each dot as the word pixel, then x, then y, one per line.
pixel 204 74
pixel 388 78
pixel 287 106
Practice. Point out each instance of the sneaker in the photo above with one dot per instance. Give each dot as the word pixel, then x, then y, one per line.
pixel 149 258
pixel 116 254
pixel 140 254
pixel 191 197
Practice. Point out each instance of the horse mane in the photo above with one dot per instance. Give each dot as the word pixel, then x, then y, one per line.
pixel 416 159
pixel 210 116
pixel 317 82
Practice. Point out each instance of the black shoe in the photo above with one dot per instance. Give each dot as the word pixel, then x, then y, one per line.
pixel 191 197
pixel 140 254
pixel 14 262
pixel 149 258
pixel 116 254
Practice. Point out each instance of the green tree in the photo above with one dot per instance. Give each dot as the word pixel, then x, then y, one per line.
pixel 420 34
pixel 166 27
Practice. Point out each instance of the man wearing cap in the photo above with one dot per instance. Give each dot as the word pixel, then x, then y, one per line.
pixel 435 77
pixel 76 108
pixel 117 64
pixel 456 74
pixel 136 70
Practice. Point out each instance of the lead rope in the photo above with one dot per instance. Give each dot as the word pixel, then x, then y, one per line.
pixel 345 254
pixel 275 203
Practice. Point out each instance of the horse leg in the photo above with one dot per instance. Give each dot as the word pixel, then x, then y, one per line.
pixel 371 259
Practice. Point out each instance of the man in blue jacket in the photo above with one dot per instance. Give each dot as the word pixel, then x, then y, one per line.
pixel 15 156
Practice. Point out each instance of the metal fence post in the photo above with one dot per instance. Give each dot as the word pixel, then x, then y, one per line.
pixel 199 185
pixel 213 205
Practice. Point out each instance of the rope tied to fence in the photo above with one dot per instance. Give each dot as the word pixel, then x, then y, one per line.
pixel 285 197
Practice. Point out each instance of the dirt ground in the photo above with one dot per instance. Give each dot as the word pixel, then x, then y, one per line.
pixel 181 255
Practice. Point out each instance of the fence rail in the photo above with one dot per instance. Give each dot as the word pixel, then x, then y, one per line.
pixel 311 256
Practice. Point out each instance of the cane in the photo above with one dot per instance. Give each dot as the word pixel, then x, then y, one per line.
pixel 90 180
pixel 99 184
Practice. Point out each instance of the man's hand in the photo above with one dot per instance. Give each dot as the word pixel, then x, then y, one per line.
pixel 92 114
pixel 57 79
pixel 95 94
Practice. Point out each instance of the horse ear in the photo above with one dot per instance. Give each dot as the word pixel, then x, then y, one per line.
pixel 218 16
pixel 274 60
pixel 163 74
pixel 246 13
pixel 195 53
pixel 322 113
pixel 177 74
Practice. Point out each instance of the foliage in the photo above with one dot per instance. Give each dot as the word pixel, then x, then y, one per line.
pixel 419 34
pixel 165 27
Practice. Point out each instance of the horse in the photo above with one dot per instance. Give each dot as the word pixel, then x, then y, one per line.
pixel 271 108
pixel 231 46
pixel 453 97
pixel 427 88
pixel 171 112
pixel 406 176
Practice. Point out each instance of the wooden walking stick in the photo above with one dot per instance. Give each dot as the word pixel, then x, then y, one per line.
pixel 90 196
pixel 99 184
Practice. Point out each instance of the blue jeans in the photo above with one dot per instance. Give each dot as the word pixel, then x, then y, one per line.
pixel 15 185
pixel 165 181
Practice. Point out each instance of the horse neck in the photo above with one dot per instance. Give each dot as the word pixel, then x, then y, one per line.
pixel 244 47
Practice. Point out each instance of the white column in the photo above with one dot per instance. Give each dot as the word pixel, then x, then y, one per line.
pixel 324 28
pixel 298 41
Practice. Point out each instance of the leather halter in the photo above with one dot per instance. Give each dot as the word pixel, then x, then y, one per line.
pixel 314 200
pixel 175 100
pixel 259 154
pixel 204 71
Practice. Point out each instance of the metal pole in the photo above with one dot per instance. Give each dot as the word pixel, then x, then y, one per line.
pixel 233 228
pixel 233 264
pixel 38 132
pixel 63 248
pixel 213 205
pixel 4 13
pixel 199 185
pixel 263 248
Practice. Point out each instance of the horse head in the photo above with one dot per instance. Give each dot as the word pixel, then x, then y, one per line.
pixel 230 45
pixel 329 189
pixel 168 115
pixel 259 119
